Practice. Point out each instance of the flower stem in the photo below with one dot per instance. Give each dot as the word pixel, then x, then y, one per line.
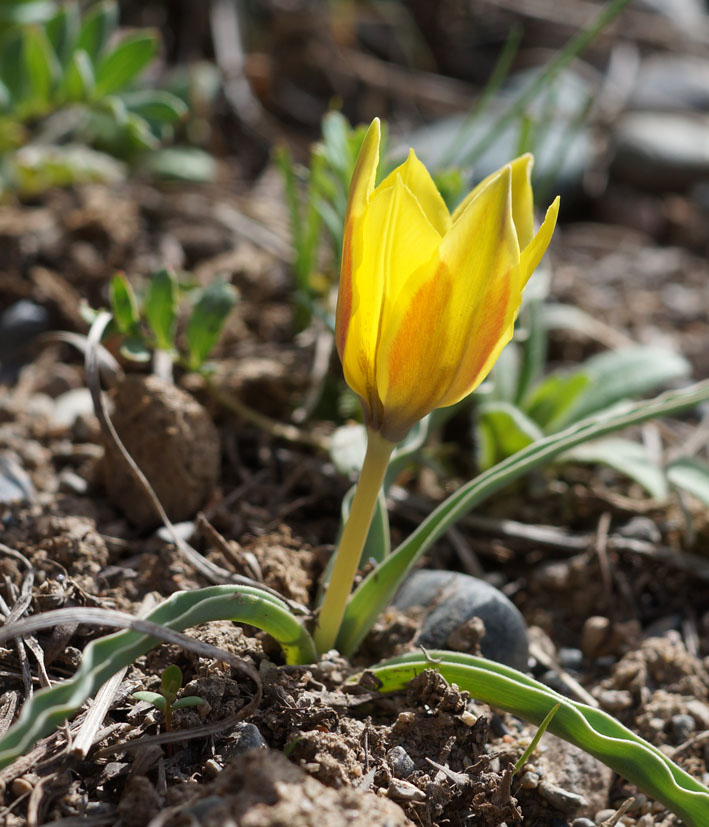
pixel 353 538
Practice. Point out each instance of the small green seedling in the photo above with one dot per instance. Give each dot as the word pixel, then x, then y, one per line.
pixel 166 699
pixel 148 322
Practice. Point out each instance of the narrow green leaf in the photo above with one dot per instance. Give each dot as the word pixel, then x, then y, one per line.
pixel 153 698
pixel 592 730
pixel 181 163
pixel 377 589
pixel 78 81
pixel 123 303
pixel 537 738
pixel 503 430
pixel 692 476
pixel 12 71
pixel 627 457
pixel 155 105
pixel 161 307
pixel 62 30
pixel 534 349
pixel 98 25
pixel 207 320
pixel 50 707
pixel 116 69
pixel 41 66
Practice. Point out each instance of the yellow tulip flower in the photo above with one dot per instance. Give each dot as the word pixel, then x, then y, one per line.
pixel 428 299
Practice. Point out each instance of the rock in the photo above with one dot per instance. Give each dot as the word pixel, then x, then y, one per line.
pixel 71 405
pixel 661 150
pixel 248 736
pixel 673 82
pixel 563 152
pixel 401 763
pixel 15 483
pixel 454 599
pixel 19 324
pixel 173 441
pixel 572 777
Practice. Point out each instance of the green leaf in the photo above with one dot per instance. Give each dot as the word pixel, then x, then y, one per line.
pixel 627 457
pixel 505 374
pixel 188 701
pixel 24 12
pixel 12 70
pixel 99 24
pixel 78 82
pixel 502 431
pixel 549 402
pixel 152 698
pixel 135 350
pixel 62 31
pixel 41 66
pixel 116 69
pixel 123 303
pixel 50 707
pixel 155 105
pixel 534 349
pixel 692 476
pixel 161 307
pixel 171 682
pixel 207 320
pixel 624 373
pixel 181 163
pixel 377 589
pixel 592 730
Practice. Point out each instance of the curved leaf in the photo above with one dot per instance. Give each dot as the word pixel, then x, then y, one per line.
pixel 115 70
pixel 378 588
pixel 590 729
pixel 102 658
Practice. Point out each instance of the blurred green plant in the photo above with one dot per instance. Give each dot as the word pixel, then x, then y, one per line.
pixel 147 321
pixel 519 405
pixel 67 106
pixel 166 699
pixel 317 199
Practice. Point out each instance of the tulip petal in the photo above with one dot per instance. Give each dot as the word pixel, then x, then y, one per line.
pixel 396 238
pixel 453 316
pixel 532 254
pixel 522 198
pixel 361 188
pixel 417 178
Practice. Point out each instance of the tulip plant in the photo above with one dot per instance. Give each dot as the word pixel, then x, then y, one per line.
pixel 427 301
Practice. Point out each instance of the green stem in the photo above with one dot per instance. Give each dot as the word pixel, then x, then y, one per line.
pixel 353 539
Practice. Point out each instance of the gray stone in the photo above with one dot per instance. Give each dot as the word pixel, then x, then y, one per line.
pixel 661 150
pixel 401 763
pixel 15 483
pixel 672 82
pixel 454 599
pixel 248 736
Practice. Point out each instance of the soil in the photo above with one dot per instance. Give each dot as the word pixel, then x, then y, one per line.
pixel 611 596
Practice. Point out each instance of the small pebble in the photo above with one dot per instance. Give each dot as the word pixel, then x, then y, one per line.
pixel 570 657
pixel 248 737
pixel 682 726
pixel 583 822
pixel 564 800
pixel 401 763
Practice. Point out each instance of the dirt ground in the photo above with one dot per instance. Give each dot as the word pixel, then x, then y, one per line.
pixel 614 586
pixel 621 594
